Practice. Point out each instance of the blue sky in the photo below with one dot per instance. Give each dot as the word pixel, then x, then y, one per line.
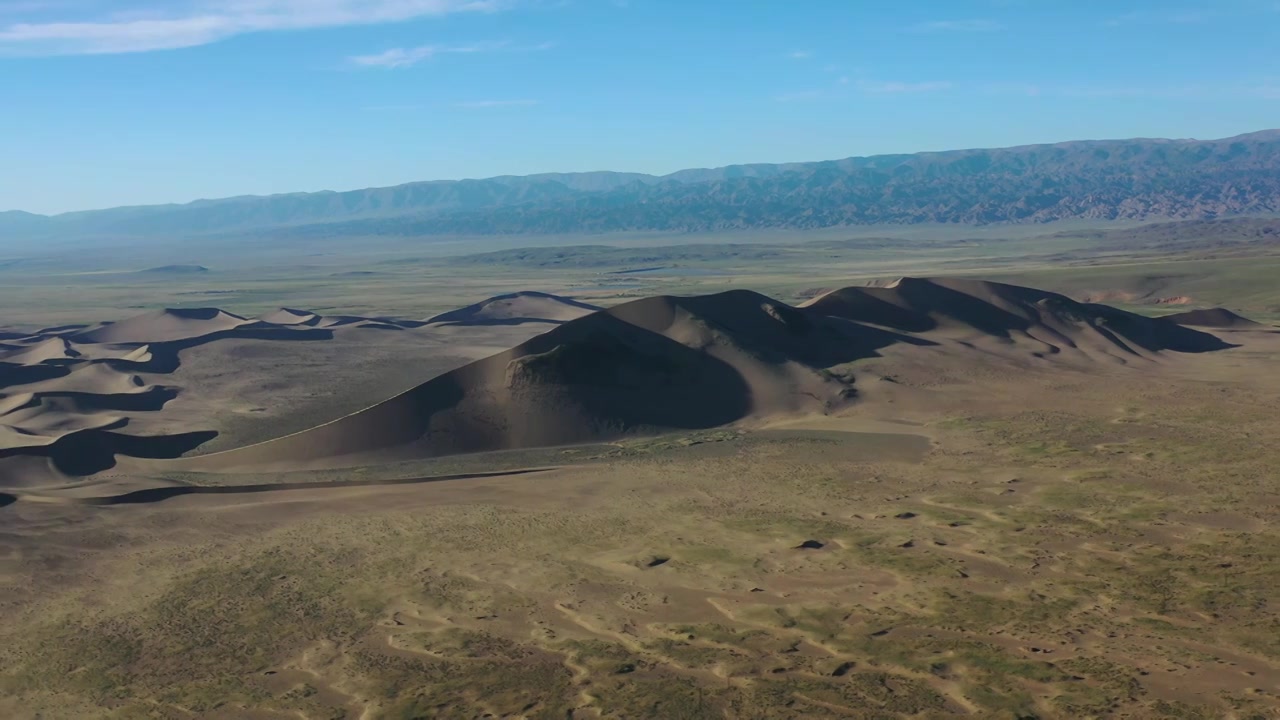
pixel 116 102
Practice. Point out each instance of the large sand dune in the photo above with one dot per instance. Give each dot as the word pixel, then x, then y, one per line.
pixel 1215 318
pixel 73 399
pixel 515 308
pixel 1008 312
pixel 666 363
pixel 162 326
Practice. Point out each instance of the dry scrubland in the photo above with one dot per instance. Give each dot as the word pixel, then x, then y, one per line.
pixel 1072 545
pixel 935 511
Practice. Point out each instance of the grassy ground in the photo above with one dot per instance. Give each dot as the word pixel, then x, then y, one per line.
pixel 1070 545
pixel 1102 546
pixel 405 277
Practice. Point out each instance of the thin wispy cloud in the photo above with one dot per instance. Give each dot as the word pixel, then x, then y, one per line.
pixel 148 25
pixel 487 104
pixel 1197 93
pixel 968 26
pixel 882 87
pixel 1255 90
pixel 405 107
pixel 1013 88
pixel 799 96
pixel 842 86
pixel 408 57
pixel 1191 16
pixel 17 7
pixel 800 54
pixel 396 58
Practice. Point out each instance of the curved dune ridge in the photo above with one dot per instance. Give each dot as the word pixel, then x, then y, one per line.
pixel 651 365
pixel 289 316
pixel 1214 318
pixel 514 308
pixel 666 363
pixel 68 395
pixel 1009 312
pixel 161 326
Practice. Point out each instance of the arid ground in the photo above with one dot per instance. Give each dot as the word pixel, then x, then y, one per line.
pixel 928 498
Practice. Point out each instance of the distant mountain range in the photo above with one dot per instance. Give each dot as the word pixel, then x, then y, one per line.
pixel 1105 180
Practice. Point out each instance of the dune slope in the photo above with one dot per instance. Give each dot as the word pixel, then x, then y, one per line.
pixel 666 363
pixel 70 397
pixel 516 308
pixel 1214 318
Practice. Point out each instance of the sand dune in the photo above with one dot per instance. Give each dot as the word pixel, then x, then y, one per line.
pixel 289 316
pixel 70 396
pixel 667 363
pixel 50 350
pixel 161 326
pixel 1214 318
pixel 73 399
pixel 973 307
pixel 518 308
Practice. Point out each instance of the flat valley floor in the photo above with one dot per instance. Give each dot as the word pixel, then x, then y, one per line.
pixel 1046 543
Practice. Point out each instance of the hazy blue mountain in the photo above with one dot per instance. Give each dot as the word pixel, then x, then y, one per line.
pixel 1119 179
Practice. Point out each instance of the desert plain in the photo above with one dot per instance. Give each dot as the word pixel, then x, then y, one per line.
pixel 995 476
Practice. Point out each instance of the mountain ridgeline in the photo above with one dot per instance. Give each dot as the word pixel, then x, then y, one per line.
pixel 1101 180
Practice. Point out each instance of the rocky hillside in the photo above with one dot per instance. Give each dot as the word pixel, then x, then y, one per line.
pixel 1106 180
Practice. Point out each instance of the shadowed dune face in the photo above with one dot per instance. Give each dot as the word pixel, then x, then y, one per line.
pixel 1154 334
pixel 920 305
pixel 1214 318
pixel 598 377
pixel 68 395
pixel 89 452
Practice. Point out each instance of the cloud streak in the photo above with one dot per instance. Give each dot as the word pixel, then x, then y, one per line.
pixel 155 25
pixel 487 104
pixel 408 57
pixel 799 96
pixel 1264 89
pixel 397 58
pixel 1168 17
pixel 940 26
pixel 882 87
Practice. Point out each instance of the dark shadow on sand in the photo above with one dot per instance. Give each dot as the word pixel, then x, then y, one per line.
pixel 153 495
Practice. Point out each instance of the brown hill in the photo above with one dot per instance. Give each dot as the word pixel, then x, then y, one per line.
pixel 514 308
pixel 666 363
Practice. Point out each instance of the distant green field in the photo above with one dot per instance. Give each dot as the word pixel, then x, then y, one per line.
pixel 1229 263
